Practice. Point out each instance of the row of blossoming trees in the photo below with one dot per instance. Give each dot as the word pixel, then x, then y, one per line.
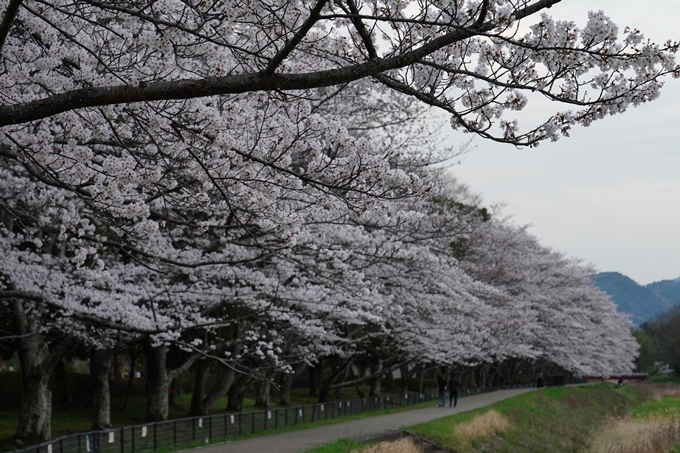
pixel 252 182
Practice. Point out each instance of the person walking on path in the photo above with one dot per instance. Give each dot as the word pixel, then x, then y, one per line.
pixel 442 390
pixel 453 390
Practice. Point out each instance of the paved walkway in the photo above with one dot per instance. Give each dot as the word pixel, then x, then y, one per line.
pixel 364 429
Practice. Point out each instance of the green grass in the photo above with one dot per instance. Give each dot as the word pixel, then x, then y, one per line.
pixel 666 407
pixel 555 420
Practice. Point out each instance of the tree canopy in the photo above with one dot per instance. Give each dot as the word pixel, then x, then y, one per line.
pixel 253 181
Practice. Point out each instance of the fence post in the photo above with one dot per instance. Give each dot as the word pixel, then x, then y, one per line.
pixel 155 437
pixel 122 440
pixel 209 428
pixel 193 430
pixel 132 440
pixel 174 433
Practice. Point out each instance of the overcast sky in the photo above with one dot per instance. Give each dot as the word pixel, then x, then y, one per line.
pixel 610 193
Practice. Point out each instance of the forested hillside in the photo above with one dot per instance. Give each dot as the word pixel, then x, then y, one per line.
pixel 641 302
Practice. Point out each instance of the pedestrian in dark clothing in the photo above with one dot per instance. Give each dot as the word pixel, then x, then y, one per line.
pixel 442 390
pixel 453 391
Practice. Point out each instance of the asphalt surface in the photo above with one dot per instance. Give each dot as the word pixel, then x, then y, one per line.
pixel 364 429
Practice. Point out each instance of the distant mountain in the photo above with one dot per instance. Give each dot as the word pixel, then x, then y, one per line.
pixel 667 291
pixel 641 302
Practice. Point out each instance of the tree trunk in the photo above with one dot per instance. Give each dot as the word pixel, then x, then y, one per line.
pixel 483 378
pixel 174 386
pixel 235 394
pixel 390 386
pixel 354 376
pixel 314 375
pixel 134 352
pixel 338 368
pixel 158 381
pixel 405 377
pixel 287 383
pixel 100 368
pixel 157 384
pixel 342 376
pixel 375 381
pixel 262 389
pixel 202 370
pixel 218 391
pixel 421 379
pixel 35 409
pixel 62 397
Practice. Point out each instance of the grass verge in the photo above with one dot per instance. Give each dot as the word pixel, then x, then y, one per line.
pixel 554 419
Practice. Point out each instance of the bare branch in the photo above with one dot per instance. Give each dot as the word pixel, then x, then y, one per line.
pixel 314 15
pixel 18 337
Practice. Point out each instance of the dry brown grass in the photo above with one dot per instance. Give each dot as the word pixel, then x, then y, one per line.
pixel 629 436
pixel 658 391
pixel 404 445
pixel 491 422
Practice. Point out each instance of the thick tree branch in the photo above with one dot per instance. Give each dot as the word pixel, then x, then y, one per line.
pixel 380 373
pixel 58 352
pixel 482 13
pixel 7 20
pixel 532 9
pixel 99 322
pixel 361 28
pixel 240 83
pixel 172 374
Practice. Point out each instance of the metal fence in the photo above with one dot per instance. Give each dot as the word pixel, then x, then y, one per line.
pixel 185 432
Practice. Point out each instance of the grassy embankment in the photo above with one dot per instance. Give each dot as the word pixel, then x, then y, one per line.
pixel 593 419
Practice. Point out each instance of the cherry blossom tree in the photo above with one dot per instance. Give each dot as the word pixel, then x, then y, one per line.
pixel 162 161
pixel 554 312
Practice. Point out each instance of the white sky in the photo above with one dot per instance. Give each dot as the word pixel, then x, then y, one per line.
pixel 610 193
